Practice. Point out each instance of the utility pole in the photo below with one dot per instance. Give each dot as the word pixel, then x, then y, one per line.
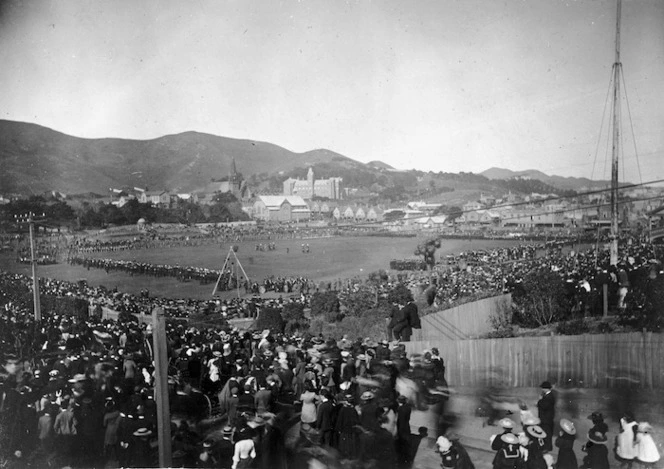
pixel 160 357
pixel 29 218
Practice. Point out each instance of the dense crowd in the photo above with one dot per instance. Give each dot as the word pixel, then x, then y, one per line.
pixel 83 394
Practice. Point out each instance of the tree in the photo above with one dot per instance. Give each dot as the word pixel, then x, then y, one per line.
pixel 325 305
pixel 270 318
pixel 400 294
pixel 293 316
pixel 541 300
pixel 357 302
pixel 427 250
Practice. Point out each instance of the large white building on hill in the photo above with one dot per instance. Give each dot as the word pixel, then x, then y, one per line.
pixel 310 187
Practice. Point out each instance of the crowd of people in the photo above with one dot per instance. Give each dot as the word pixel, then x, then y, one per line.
pixel 82 393
pixel 532 447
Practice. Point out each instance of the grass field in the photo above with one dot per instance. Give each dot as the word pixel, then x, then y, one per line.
pixel 328 259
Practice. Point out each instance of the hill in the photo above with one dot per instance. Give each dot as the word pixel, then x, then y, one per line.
pixel 36 159
pixel 567 183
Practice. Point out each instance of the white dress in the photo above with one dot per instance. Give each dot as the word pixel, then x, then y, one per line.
pixel 625 448
pixel 646 449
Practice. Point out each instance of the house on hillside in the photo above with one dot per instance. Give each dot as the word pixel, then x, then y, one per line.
pixel 375 214
pixel 281 208
pixel 431 222
pixel 470 206
pixel 156 198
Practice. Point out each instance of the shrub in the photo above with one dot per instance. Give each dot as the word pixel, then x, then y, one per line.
pixel 325 305
pixel 573 327
pixel 293 316
pixel 542 300
pixel 270 318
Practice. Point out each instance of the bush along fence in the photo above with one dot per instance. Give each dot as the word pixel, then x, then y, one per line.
pixel 620 360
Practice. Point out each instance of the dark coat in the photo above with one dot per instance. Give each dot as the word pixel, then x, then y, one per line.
pixel 597 457
pixel 325 417
pixel 566 456
pixel 403 421
pixel 546 408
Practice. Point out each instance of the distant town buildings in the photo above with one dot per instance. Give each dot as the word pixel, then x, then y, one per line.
pixel 311 187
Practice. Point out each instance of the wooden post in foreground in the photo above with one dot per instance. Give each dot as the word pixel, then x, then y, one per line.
pixel 605 300
pixel 161 386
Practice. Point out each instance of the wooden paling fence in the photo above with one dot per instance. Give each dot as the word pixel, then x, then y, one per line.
pixel 593 361
pixel 462 322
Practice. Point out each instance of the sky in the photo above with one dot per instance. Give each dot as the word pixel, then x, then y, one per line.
pixel 434 85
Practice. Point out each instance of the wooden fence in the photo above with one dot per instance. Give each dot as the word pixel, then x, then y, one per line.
pixel 592 361
pixel 462 322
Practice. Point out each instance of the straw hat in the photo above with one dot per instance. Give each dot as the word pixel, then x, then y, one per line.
pixel 529 421
pixel 506 423
pixel 536 432
pixel 367 395
pixel 142 432
pixel 645 427
pixel 568 426
pixel 444 445
pixel 509 438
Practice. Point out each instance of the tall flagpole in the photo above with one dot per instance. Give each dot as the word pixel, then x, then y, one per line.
pixel 617 66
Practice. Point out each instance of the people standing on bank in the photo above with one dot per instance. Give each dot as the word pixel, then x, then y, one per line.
pixel 546 407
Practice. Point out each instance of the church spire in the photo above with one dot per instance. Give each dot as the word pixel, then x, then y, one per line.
pixel 233 175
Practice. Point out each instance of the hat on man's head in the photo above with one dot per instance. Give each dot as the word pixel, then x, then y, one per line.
pixel 545 385
pixel 596 416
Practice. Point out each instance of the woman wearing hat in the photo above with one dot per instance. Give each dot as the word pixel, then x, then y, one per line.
pixel 245 451
pixel 565 443
pixel 646 449
pixel 625 448
pixel 347 428
pixel 535 447
pixel 509 456
pixel 598 454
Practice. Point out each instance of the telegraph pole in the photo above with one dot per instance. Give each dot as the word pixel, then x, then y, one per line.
pixel 29 218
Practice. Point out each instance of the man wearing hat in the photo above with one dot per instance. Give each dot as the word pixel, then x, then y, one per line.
pixel 325 418
pixel 546 407
pixel 225 447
